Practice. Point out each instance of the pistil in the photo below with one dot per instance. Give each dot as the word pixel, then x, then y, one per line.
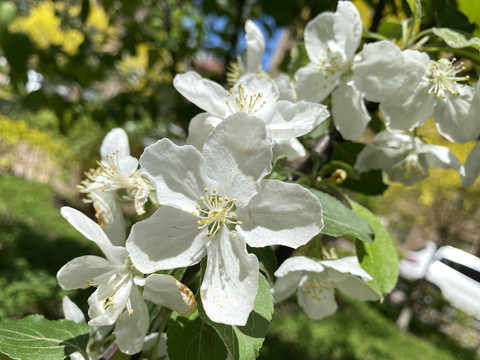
pixel 216 211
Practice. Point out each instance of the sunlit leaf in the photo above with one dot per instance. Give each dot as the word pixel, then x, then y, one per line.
pixel 188 337
pixel 379 258
pixel 340 221
pixel 244 342
pixel 35 337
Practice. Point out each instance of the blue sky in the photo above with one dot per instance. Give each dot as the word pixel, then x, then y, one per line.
pixel 217 24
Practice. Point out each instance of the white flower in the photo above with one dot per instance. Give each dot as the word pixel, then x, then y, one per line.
pixel 71 311
pixel 214 203
pixel 117 299
pixel 471 169
pixel 316 282
pixel 255 47
pixel 253 95
pixel 403 157
pixel 117 170
pixel 375 73
pixel 432 88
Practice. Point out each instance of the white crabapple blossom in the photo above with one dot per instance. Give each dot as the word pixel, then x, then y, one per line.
pixel 253 95
pixel 254 48
pixel 117 170
pixel 375 73
pixel 434 88
pixel 403 157
pixel 117 299
pixel 317 281
pixel 471 169
pixel 215 202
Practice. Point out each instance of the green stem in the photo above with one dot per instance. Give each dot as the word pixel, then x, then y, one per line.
pixel 164 315
pixel 420 35
pixel 462 52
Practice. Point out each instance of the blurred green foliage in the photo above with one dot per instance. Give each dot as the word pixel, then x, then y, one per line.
pixel 35 242
pixel 358 330
pixel 111 63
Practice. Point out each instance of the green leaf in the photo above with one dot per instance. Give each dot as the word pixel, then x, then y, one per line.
pixel 268 261
pixel 35 337
pixel 390 29
pixel 455 39
pixel 188 337
pixel 244 342
pixel 379 258
pixel 299 58
pixel 341 221
pixel 471 9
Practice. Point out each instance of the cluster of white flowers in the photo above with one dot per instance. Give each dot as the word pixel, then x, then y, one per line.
pixel 214 195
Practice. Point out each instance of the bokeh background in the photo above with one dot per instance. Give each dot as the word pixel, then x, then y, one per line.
pixel 71 70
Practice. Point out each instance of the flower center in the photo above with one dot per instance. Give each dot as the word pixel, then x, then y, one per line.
pixel 443 76
pixel 214 212
pixel 330 62
pixel 410 165
pixel 241 101
pixel 316 285
pixel 108 178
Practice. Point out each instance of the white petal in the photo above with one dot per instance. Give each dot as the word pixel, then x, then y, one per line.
pixel 357 289
pixel 177 172
pixel 319 306
pixel 410 107
pixel 290 120
pixel 347 28
pixel 377 158
pixel 166 240
pixel 71 311
pixel 92 231
pixel 286 285
pixel 292 148
pixel 79 272
pixel 199 128
pixel 127 165
pixel 286 87
pixel 457 117
pixel 472 166
pixel 116 293
pixel 165 290
pixel 321 40
pixel 238 155
pixel 132 326
pixel 281 213
pixel 115 142
pixel 346 265
pixel 298 263
pixel 438 156
pixel 349 113
pixel 255 46
pixel 313 85
pixel 230 283
pixel 206 94
pixel 379 70
pixel 407 175
pixel 115 227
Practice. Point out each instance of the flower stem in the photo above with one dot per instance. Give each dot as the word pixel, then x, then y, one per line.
pixel 164 315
